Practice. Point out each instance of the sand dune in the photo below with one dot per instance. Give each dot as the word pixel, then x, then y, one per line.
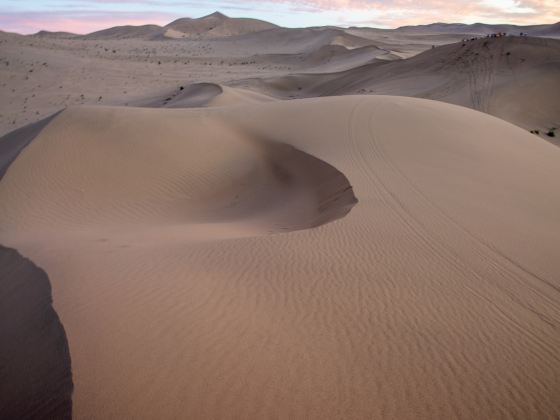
pixel 436 296
pixel 180 240
pixel 126 32
pixel 146 65
pixel 217 25
pixel 508 77
pixel 203 95
pixel 549 31
pixel 329 58
pixel 301 40
pixel 483 29
pixel 13 143
pixel 40 76
pixel 55 35
pixel 224 178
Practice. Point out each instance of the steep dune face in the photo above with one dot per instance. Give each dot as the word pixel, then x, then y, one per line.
pixel 506 77
pixel 13 143
pixel 214 175
pixel 437 296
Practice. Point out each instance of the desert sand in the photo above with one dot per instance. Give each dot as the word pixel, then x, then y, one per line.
pixel 194 249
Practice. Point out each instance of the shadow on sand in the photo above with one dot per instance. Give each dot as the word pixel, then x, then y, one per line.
pixel 35 369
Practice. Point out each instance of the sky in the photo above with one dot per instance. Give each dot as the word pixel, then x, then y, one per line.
pixel 84 16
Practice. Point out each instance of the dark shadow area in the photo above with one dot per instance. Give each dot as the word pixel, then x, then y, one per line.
pixel 35 369
pixel 14 142
pixel 325 186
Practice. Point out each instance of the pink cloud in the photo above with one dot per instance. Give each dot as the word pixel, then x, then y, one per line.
pixel 79 23
pixel 402 12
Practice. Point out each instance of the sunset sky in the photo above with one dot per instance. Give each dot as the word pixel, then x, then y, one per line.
pixel 83 16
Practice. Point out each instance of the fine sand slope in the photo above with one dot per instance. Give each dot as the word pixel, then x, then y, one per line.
pixel 355 257
pixel 514 78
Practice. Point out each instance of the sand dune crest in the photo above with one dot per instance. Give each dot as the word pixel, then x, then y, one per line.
pixel 436 296
pixel 173 171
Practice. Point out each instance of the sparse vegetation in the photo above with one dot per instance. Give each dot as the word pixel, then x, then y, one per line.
pixel 551 132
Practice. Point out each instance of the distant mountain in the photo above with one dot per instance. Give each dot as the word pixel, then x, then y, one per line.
pixel 55 35
pixel 484 29
pixel 216 25
pixel 551 31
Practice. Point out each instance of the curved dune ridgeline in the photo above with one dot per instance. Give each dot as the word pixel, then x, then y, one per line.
pixel 35 368
pixel 159 167
pixel 435 297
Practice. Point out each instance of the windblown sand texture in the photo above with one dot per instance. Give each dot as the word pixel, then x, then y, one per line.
pixel 214 253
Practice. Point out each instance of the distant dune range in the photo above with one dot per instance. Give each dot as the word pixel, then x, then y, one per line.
pixel 218 25
pixel 215 25
pixel 514 78
pixel 242 221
